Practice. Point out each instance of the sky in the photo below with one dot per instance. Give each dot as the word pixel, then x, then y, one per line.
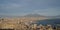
pixel 23 7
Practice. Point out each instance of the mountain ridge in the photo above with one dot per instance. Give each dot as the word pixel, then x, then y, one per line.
pixel 32 15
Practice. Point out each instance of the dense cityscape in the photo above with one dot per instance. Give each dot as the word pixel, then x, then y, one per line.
pixel 20 25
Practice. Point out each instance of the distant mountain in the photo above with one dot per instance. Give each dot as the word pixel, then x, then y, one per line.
pixel 34 15
pixel 38 15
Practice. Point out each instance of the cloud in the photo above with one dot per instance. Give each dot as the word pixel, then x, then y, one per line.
pixel 9 6
pixel 48 11
pixel 44 7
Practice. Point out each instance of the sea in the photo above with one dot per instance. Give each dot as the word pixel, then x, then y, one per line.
pixel 53 22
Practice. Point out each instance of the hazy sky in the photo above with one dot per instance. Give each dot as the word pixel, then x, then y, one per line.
pixel 23 7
